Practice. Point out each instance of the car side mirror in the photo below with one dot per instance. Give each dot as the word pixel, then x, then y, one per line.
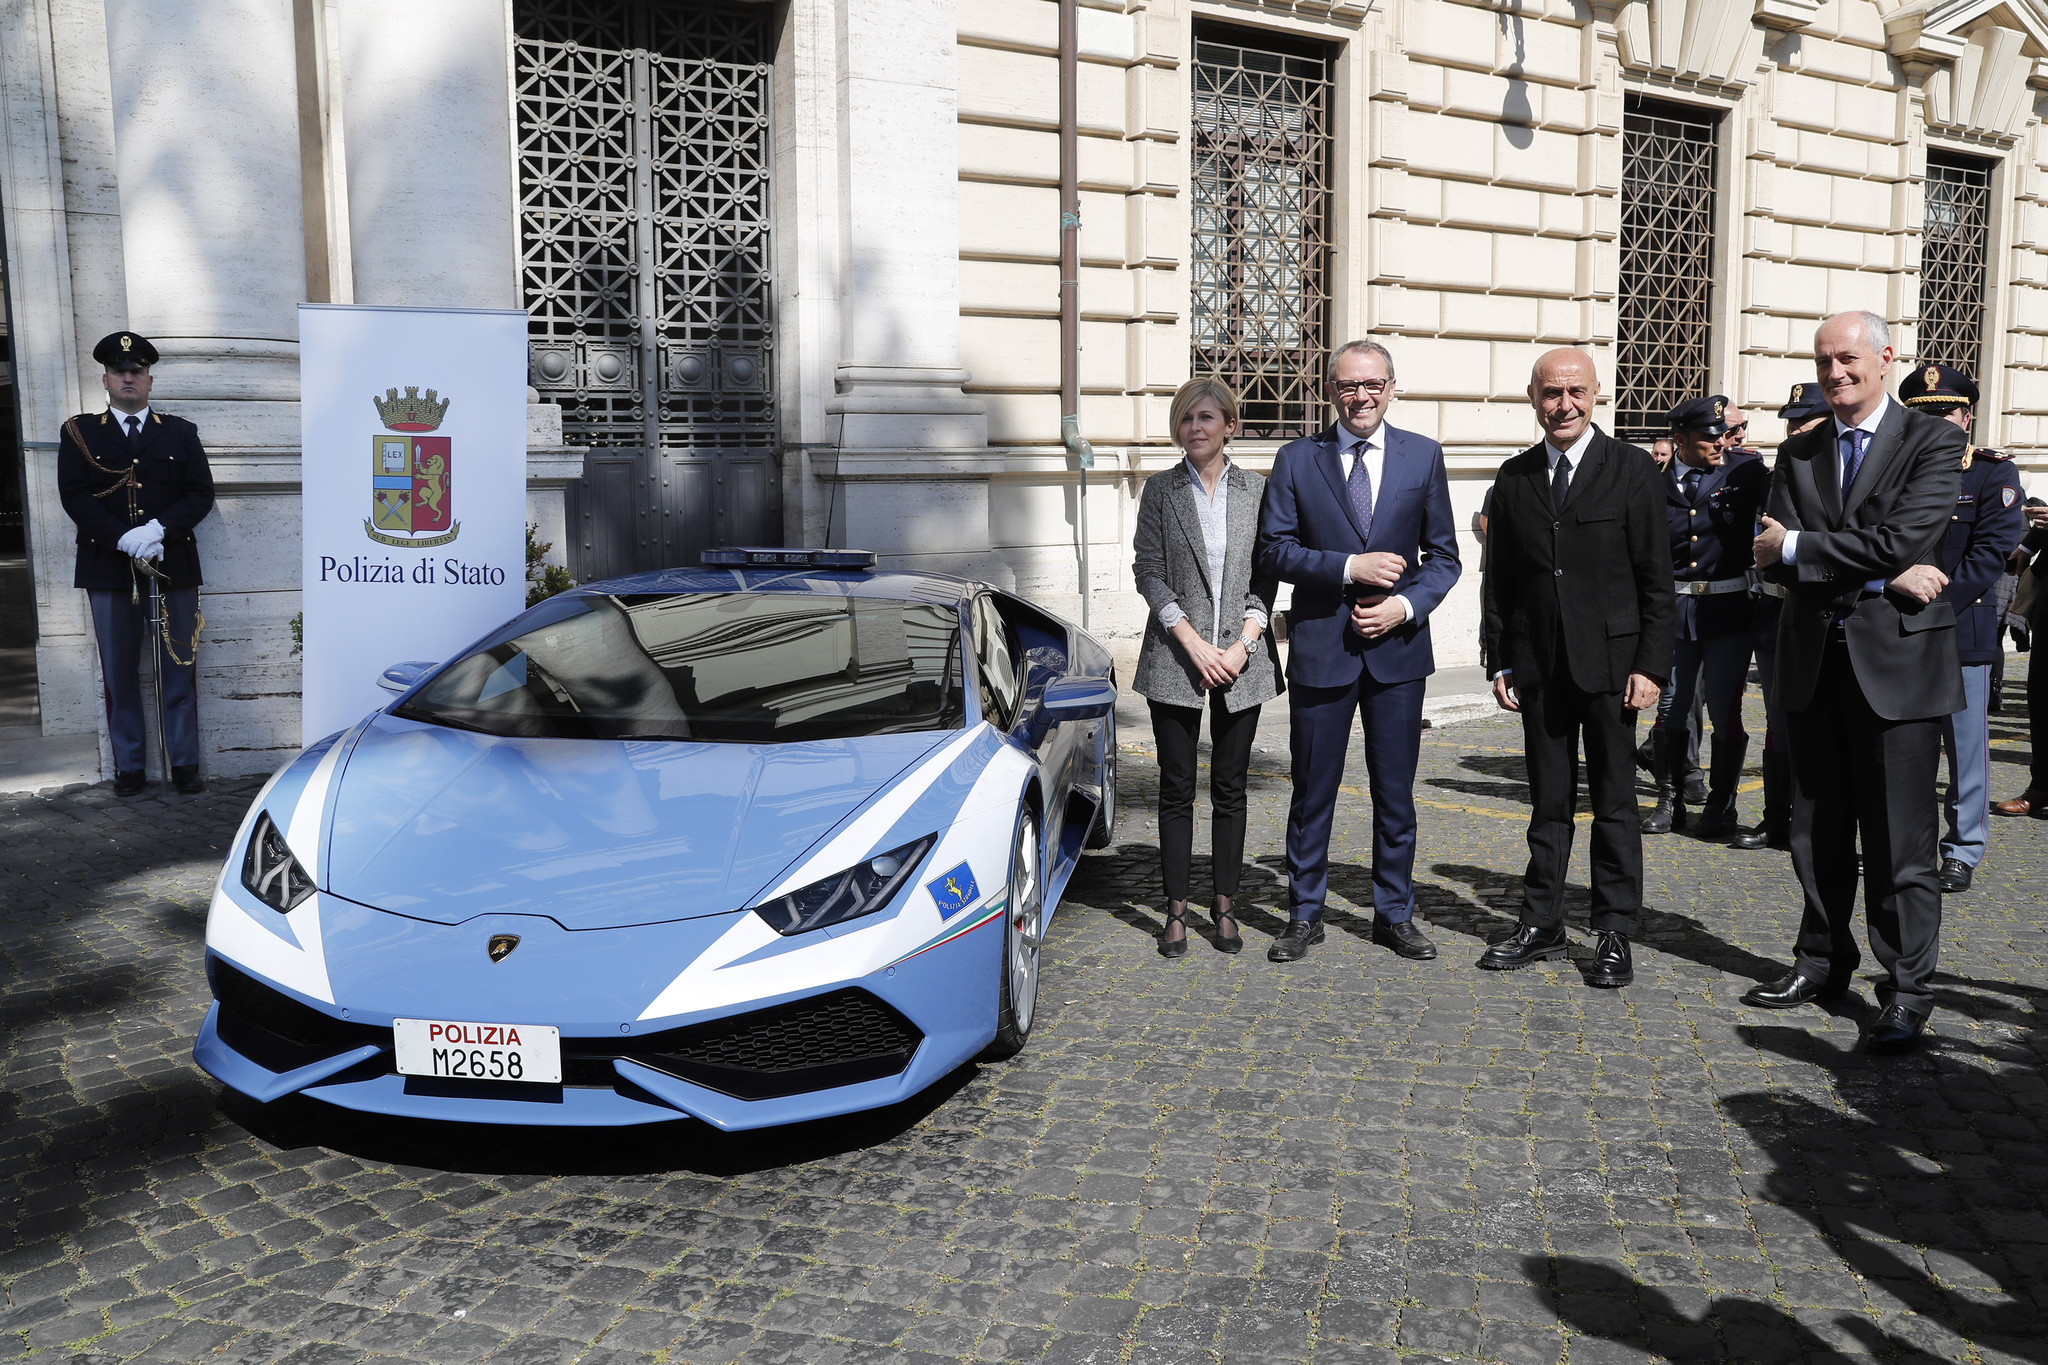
pixel 1078 699
pixel 406 676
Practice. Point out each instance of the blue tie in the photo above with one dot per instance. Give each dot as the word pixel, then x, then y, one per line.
pixel 1359 486
pixel 1852 458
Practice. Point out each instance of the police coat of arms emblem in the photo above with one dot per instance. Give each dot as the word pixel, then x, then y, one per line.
pixel 411 476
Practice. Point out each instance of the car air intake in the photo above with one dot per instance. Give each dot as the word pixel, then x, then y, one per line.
pixel 842 1038
pixel 277 1032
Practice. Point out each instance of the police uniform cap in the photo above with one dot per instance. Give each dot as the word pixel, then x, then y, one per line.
pixel 1804 404
pixel 1937 388
pixel 125 351
pixel 1708 415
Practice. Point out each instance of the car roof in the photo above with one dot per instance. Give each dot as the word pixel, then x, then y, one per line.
pixel 888 584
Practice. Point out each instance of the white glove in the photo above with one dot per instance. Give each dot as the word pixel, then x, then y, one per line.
pixel 140 542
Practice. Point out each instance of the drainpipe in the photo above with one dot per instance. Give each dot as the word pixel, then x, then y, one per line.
pixel 1070 275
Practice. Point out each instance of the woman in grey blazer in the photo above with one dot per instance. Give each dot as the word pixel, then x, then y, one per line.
pixel 1206 645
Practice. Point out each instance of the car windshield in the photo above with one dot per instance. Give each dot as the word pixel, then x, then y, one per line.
pixel 739 667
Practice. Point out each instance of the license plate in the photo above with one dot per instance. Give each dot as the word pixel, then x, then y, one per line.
pixel 478 1052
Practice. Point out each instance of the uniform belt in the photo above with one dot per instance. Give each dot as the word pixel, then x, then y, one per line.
pixel 1708 587
pixel 1773 589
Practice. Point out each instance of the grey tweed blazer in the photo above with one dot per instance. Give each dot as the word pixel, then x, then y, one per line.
pixel 1172 565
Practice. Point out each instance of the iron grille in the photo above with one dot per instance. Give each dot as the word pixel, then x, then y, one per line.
pixel 1667 264
pixel 645 258
pixel 1955 251
pixel 1261 225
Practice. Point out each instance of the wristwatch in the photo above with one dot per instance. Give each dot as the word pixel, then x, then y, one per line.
pixel 1250 643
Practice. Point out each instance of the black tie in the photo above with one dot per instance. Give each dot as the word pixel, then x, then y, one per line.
pixel 1692 485
pixel 1560 477
pixel 134 429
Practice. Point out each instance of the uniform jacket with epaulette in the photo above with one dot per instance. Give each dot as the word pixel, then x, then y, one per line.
pixel 1989 519
pixel 1711 539
pixel 110 488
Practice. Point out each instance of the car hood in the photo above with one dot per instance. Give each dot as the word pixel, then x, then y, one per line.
pixel 442 824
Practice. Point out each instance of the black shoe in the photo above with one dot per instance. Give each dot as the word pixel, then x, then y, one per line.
pixel 1530 944
pixel 1174 947
pixel 128 784
pixel 1293 946
pixel 1657 819
pixel 1404 938
pixel 1756 836
pixel 1793 990
pixel 185 777
pixel 1612 965
pixel 1955 876
pixel 1220 915
pixel 1715 822
pixel 1695 788
pixel 1897 1029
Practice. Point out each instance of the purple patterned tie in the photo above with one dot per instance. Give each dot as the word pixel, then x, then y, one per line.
pixel 1852 459
pixel 1359 486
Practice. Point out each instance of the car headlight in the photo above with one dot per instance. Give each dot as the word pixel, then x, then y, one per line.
pixel 860 890
pixel 269 871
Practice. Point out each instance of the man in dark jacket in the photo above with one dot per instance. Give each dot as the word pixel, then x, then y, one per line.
pixel 2034 800
pixel 1866 670
pixel 136 482
pixel 1576 633
pixel 1984 529
pixel 1712 497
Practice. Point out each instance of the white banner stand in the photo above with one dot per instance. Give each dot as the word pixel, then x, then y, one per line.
pixel 414 478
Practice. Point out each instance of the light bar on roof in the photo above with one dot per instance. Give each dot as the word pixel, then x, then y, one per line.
pixel 758 557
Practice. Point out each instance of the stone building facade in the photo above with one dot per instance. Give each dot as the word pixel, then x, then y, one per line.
pixel 794 267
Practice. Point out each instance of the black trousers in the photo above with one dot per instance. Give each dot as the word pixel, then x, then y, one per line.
pixel 1555 715
pixel 2037 706
pixel 1853 770
pixel 1175 731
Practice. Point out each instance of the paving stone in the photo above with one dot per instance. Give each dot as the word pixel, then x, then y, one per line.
pixel 1351 1160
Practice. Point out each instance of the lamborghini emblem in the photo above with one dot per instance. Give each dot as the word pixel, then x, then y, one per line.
pixel 502 946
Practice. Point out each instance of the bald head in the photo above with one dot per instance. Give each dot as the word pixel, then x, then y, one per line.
pixel 1563 388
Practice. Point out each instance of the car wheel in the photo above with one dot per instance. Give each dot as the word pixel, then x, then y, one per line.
pixel 1023 933
pixel 1103 831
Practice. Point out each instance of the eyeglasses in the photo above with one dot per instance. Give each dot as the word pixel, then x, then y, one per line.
pixel 1375 387
pixel 1739 429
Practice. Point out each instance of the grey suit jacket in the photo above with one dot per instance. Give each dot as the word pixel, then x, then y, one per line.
pixel 1172 565
pixel 1892 517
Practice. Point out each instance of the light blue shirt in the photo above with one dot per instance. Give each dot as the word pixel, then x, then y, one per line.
pixel 1789 552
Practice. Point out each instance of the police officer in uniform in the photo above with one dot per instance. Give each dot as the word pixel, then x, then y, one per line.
pixel 1712 497
pixel 1803 409
pixel 136 482
pixel 1988 522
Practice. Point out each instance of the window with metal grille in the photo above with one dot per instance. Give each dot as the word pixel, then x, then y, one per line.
pixel 1261 224
pixel 1955 251
pixel 1667 263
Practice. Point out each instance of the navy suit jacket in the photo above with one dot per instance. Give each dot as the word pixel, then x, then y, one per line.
pixel 1308 532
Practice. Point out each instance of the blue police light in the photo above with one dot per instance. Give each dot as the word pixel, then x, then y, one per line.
pixel 758 557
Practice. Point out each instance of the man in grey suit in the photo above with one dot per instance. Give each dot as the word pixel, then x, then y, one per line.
pixel 1866 669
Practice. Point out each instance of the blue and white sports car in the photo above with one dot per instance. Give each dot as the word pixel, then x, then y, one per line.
pixel 764 841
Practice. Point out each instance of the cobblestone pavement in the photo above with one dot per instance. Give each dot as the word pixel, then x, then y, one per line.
pixel 1353 1159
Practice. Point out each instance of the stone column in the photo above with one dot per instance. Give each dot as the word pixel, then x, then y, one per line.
pixel 427 123
pixel 913 446
pixel 206 146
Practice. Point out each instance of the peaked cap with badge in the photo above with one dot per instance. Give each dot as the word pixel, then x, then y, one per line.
pixel 1707 416
pixel 125 351
pixel 1803 405
pixel 1937 389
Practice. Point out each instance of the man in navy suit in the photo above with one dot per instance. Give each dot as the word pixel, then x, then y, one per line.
pixel 1358 519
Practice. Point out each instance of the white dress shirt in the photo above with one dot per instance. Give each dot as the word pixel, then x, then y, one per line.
pixel 1213 511
pixel 1571 457
pixel 1350 446
pixel 1789 551
pixel 121 418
